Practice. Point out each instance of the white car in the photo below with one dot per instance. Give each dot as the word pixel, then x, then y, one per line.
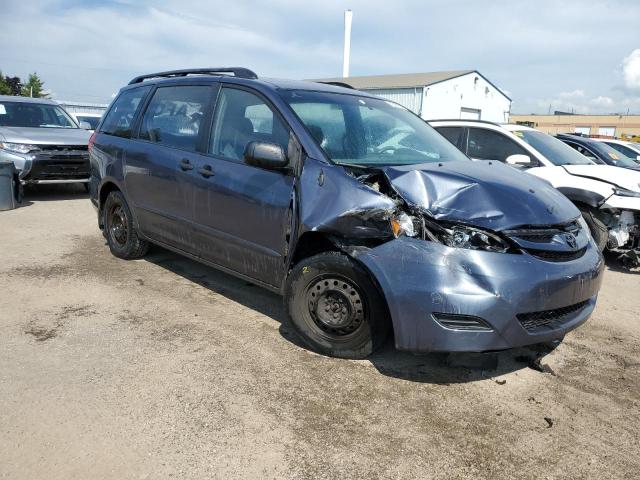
pixel 629 149
pixel 607 196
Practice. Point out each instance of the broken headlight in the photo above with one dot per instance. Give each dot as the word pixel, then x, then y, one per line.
pixel 465 236
pixel 461 236
pixel 403 224
pixel 451 235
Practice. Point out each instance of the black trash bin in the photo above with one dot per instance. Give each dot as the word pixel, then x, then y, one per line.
pixel 9 186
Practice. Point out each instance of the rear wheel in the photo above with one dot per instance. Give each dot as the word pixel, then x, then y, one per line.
pixel 599 230
pixel 335 307
pixel 119 230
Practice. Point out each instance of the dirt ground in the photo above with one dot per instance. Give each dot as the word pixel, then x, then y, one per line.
pixel 163 368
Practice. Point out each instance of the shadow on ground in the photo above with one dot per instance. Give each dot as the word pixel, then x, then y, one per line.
pixel 616 263
pixel 436 368
pixel 49 192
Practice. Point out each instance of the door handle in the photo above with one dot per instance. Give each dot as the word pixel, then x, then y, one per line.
pixel 185 165
pixel 206 171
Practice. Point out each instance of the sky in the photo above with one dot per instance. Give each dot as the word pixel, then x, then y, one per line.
pixel 581 56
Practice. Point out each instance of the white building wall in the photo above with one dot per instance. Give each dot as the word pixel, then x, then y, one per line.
pixel 457 97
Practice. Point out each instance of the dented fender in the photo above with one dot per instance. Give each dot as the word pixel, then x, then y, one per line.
pixel 332 202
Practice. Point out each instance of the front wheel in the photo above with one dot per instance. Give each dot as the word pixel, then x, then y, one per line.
pixel 119 229
pixel 335 307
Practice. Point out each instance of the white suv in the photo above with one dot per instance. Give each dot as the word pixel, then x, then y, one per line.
pixel 609 197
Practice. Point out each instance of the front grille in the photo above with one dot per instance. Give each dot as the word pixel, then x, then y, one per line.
pixel 47 148
pixel 533 239
pixel 556 256
pixel 535 320
pixel 60 162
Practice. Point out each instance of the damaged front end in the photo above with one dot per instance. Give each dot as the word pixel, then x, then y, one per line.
pixel 469 256
pixel 624 235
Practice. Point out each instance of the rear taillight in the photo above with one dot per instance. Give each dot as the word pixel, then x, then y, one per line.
pixel 91 140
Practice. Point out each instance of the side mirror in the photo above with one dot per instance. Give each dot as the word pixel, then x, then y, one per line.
pixel 519 160
pixel 85 125
pixel 266 155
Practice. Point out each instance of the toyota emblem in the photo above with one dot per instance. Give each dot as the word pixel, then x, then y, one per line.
pixel 571 240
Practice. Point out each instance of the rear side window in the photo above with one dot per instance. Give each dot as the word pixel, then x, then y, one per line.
pixel 174 116
pixel 453 134
pixel 486 144
pixel 242 117
pixel 119 119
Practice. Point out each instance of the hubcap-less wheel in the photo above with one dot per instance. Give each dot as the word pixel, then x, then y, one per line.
pixel 335 305
pixel 118 226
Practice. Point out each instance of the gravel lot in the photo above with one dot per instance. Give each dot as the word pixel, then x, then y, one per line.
pixel 163 368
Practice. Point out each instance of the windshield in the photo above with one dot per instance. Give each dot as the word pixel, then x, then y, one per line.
pixel 359 130
pixel 554 150
pixel 38 115
pixel 613 157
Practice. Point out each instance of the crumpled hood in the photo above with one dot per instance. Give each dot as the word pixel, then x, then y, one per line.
pixel 45 136
pixel 485 194
pixel 621 177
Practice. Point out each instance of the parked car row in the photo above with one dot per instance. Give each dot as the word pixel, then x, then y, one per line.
pixel 365 218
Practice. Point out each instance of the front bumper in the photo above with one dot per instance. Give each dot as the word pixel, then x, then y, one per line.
pixel 22 162
pixel 54 165
pixel 421 278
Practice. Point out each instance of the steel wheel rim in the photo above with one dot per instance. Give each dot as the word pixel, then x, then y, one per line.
pixel 335 305
pixel 118 225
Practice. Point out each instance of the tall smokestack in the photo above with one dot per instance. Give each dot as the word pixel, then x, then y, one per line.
pixel 348 15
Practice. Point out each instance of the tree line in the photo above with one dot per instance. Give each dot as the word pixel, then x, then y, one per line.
pixel 34 87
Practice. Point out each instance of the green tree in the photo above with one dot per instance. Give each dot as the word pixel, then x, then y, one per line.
pixel 5 89
pixel 34 87
pixel 14 84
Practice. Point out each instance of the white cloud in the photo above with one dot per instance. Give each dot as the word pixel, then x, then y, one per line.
pixel 571 95
pixel 602 101
pixel 87 50
pixel 578 101
pixel 631 70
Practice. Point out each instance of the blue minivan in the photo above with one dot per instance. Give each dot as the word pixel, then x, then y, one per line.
pixel 360 214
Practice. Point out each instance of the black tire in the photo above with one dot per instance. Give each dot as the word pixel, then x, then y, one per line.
pixel 599 230
pixel 119 229
pixel 335 307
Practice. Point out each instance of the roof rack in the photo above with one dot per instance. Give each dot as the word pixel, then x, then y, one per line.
pixel 339 84
pixel 237 72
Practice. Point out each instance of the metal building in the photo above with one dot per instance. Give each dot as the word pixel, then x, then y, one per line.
pixel 452 94
pixel 83 107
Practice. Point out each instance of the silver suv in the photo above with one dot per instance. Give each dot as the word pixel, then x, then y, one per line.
pixel 43 141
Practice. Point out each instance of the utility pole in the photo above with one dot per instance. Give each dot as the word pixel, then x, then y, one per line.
pixel 346 56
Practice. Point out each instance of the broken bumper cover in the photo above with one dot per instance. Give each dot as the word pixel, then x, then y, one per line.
pixel 516 299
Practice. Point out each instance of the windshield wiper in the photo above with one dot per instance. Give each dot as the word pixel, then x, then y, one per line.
pixel 348 164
